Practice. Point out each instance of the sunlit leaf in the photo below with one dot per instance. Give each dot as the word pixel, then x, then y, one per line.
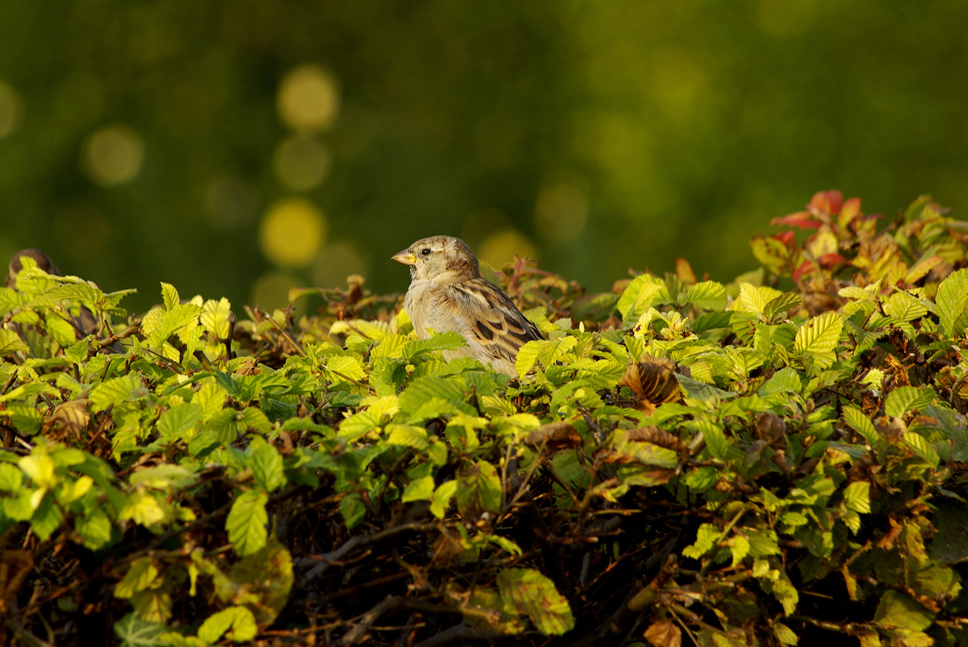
pixel 246 522
pixel 235 623
pixel 952 303
pixel 820 334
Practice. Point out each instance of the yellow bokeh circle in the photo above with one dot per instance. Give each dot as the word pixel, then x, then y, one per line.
pixel 308 98
pixel 292 232
pixel 11 110
pixel 501 247
pixel 113 155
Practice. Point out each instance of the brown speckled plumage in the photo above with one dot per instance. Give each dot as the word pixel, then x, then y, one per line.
pixel 447 293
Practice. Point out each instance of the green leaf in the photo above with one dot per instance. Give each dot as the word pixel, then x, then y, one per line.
pixel 238 622
pixel 479 490
pixel 439 341
pixel 215 317
pixel 10 478
pixel 908 398
pixel 639 296
pixel 141 575
pixel 170 296
pixel 94 529
pixel 346 367
pixel 786 380
pixel 819 335
pixel 442 496
pixel 739 548
pixel 905 307
pixel 153 605
pixel 177 421
pixel 353 510
pixel 408 436
pixel 246 523
pixel 358 425
pixel 142 508
pixel 61 330
pixel 179 319
pixel 754 299
pixel 708 295
pixel 527 356
pixel 268 574
pixel 860 423
pixel 715 439
pixel 706 538
pixel 952 303
pixel 426 387
pixel 898 610
pixel 39 466
pixel 857 497
pixel 784 634
pixel 137 632
pixel 10 342
pixel 421 489
pixel 266 464
pixel 530 593
pixel 782 303
pixel 114 391
pixel 47 518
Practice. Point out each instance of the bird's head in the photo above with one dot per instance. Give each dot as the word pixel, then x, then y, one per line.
pixel 442 259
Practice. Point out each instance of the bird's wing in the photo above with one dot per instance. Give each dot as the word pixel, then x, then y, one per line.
pixel 495 323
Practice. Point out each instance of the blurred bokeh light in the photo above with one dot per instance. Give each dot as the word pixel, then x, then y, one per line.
pixel 232 147
pixel 11 110
pixel 338 261
pixel 502 246
pixel 301 163
pixel 308 98
pixel 113 155
pixel 292 232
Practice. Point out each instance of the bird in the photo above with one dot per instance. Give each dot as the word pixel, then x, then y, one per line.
pixel 41 260
pixel 448 294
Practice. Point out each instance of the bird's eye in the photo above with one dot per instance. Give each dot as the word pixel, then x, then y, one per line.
pixel 425 251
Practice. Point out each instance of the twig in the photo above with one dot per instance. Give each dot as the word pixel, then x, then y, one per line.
pixel 24 635
pixel 358 632
pixel 461 635
pixel 357 543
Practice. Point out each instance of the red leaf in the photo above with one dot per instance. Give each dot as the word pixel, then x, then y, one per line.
pixel 831 260
pixel 801 219
pixel 787 238
pixel 805 268
pixel 828 202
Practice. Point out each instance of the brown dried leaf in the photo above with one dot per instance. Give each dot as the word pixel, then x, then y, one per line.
pixel 891 428
pixel 73 414
pixel 656 436
pixel 664 634
pixel 653 380
pixel 685 272
pixel 556 436
pixel 769 426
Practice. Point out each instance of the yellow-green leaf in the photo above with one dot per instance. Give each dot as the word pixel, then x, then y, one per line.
pixel 820 334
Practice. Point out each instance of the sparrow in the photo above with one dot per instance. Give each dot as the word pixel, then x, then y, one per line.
pixel 448 294
pixel 42 260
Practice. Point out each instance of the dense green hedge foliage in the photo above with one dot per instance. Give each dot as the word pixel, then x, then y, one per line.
pixel 679 462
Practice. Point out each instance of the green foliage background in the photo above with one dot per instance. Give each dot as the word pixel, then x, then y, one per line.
pixel 681 125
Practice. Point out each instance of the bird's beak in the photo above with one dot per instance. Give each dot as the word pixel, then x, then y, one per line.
pixel 406 257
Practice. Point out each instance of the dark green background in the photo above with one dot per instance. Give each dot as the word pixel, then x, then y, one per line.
pixel 685 125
